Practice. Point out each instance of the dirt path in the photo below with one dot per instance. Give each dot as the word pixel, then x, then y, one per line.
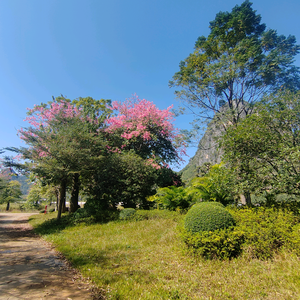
pixel 31 269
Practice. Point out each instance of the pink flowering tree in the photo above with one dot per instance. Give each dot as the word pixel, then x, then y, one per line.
pixel 117 157
pixel 140 126
pixel 64 144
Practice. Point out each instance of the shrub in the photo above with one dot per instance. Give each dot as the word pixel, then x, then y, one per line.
pixel 100 211
pixel 82 215
pixel 172 198
pixel 219 244
pixel 127 213
pixel 267 230
pixel 215 203
pixel 207 216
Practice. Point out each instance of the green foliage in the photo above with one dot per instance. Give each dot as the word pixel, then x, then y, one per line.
pixel 235 65
pixel 215 203
pixel 10 192
pixel 127 213
pixel 207 217
pixel 259 233
pixel 267 230
pixel 172 198
pixel 100 211
pixel 34 197
pixel 219 244
pixel 82 215
pixel 263 149
pixel 122 178
pixel 144 260
pixel 214 186
pixel 167 177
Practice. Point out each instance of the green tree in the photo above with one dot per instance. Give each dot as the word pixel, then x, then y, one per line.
pixel 39 191
pixel 10 192
pixel 64 144
pixel 264 148
pixel 121 178
pixel 235 66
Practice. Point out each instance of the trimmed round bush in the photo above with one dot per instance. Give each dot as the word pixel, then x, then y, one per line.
pixel 206 216
pixel 127 213
pixel 215 203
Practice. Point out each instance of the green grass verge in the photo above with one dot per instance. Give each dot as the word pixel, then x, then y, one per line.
pixel 144 260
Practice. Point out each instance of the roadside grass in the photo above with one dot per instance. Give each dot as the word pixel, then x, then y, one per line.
pixel 145 260
pixel 15 208
pixel 20 207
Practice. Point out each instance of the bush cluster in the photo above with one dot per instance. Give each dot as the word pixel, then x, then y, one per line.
pixel 207 216
pixel 218 244
pixel 127 213
pixel 259 233
pixel 267 231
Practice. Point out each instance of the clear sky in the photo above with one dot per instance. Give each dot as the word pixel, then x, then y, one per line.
pixel 106 49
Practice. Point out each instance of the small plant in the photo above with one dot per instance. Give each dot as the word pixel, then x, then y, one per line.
pixel 207 216
pixel 127 213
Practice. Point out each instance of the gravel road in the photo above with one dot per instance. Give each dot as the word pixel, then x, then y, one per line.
pixel 31 269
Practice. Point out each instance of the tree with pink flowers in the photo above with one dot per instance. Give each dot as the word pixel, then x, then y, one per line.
pixel 149 131
pixel 63 144
pixel 70 143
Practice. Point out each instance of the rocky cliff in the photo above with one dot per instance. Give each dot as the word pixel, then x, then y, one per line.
pixel 207 152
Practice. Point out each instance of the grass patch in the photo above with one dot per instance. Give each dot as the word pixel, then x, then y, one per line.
pixel 15 208
pixel 144 260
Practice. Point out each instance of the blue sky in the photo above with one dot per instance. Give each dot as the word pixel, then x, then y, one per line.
pixel 106 49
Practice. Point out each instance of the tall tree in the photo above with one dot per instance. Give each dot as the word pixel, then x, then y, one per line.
pixel 63 144
pixel 264 149
pixel 235 66
pixel 142 141
pixel 10 192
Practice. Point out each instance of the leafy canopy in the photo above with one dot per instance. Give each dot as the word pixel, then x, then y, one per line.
pixel 264 149
pixel 235 66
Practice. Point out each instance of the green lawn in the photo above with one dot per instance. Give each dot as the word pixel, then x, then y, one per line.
pixel 145 260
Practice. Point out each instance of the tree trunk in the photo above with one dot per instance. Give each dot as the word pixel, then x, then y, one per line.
pixel 74 193
pixel 7 206
pixel 57 197
pixel 62 198
pixel 246 199
pixel 64 206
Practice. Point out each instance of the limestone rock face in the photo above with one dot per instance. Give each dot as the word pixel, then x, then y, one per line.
pixel 207 152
